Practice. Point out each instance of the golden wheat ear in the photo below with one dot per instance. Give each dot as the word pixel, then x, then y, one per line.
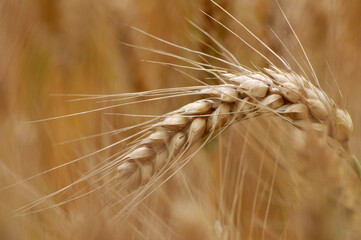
pixel 244 96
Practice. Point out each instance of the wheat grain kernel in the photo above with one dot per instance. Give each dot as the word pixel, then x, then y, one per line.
pixel 198 107
pixel 317 109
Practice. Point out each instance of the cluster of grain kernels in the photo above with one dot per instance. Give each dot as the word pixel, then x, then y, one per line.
pixel 247 96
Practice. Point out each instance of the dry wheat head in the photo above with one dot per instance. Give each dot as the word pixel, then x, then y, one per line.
pixel 243 95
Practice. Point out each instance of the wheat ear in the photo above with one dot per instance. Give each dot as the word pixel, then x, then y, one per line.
pixel 243 96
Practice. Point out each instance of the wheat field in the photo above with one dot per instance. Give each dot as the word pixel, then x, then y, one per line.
pixel 93 92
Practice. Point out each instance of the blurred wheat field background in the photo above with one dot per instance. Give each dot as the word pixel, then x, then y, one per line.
pixel 261 179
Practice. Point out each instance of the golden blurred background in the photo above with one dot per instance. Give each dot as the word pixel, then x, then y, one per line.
pixel 53 49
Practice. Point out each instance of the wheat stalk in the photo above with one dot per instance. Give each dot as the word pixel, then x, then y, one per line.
pixel 243 95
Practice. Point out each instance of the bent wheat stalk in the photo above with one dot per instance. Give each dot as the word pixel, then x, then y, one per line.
pixel 243 96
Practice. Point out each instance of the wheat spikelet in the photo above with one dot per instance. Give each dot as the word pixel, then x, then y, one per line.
pixel 243 96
